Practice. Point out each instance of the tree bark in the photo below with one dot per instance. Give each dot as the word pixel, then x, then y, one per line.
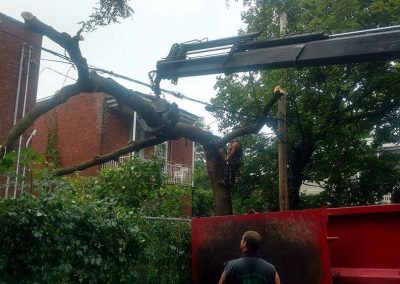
pixel 297 163
pixel 221 194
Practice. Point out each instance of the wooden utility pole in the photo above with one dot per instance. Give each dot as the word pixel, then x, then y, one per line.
pixel 282 133
pixel 282 153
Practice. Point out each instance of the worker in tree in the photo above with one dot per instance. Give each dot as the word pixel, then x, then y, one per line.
pixel 233 163
pixel 249 269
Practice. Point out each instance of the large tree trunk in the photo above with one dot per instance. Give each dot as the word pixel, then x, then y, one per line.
pixel 301 157
pixel 222 195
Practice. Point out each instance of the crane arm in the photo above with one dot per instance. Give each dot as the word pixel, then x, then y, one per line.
pixel 246 54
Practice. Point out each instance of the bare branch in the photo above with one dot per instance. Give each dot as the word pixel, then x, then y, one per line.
pixel 255 127
pixel 180 130
pixel 132 146
pixel 205 138
pixel 24 123
pixel 127 97
pixel 70 44
pixel 380 111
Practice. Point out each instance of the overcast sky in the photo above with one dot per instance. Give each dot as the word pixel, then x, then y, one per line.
pixel 133 47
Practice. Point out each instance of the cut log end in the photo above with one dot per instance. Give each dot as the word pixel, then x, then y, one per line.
pixel 27 15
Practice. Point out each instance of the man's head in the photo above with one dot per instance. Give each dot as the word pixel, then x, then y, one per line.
pixel 251 242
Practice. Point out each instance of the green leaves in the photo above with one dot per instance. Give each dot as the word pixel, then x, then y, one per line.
pixel 7 162
pixel 107 12
pixel 94 230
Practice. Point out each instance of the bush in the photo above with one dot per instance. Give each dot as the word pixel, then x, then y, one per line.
pixel 94 230
pixel 202 202
pixel 52 240
pixel 133 183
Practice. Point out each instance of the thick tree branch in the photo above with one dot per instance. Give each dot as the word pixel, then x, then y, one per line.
pixel 205 138
pixel 132 146
pixel 180 130
pixel 70 44
pixel 24 123
pixel 109 86
pixel 127 97
pixel 380 111
pixel 255 127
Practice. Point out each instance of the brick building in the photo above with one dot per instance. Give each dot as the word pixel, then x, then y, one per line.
pixel 92 124
pixel 20 51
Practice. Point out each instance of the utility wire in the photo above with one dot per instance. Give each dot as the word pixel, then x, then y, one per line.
pixel 176 94
pixel 58 72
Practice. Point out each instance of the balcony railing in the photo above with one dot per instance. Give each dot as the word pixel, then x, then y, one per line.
pixel 177 173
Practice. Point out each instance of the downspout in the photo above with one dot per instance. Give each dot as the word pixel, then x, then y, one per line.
pixel 21 62
pixel 23 114
pixel 133 131
pixel 166 156
pixel 24 170
pixel 193 147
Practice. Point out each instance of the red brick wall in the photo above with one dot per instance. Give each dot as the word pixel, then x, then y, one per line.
pixel 86 128
pixel 117 129
pixel 12 36
pixel 80 128
pixel 181 152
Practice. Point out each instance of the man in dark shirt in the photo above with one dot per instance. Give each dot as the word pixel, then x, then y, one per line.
pixel 233 163
pixel 249 269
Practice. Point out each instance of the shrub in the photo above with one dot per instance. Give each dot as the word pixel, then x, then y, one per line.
pixel 94 230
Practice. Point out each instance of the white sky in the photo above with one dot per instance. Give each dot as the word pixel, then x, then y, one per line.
pixel 133 47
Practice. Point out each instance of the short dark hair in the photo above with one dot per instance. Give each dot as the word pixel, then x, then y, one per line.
pixel 253 241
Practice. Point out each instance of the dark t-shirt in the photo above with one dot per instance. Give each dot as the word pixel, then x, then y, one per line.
pixel 249 270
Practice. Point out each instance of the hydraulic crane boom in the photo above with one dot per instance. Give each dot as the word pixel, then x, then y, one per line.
pixel 243 53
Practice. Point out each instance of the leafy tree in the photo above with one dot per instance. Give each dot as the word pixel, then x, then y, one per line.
pixel 330 109
pixel 257 186
pixel 202 199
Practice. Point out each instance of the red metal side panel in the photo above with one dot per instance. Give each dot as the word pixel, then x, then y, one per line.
pixel 364 246
pixel 295 242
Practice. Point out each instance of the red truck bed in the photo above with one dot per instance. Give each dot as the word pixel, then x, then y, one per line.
pixel 321 246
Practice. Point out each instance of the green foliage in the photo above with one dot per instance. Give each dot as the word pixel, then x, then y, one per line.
pixel 257 187
pixel 202 202
pixel 200 176
pixel 52 153
pixel 319 15
pixel 361 177
pixel 310 201
pixel 134 182
pixel 7 162
pixel 396 196
pixel 167 255
pixel 53 240
pixel 202 195
pixel 107 12
pixel 95 230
